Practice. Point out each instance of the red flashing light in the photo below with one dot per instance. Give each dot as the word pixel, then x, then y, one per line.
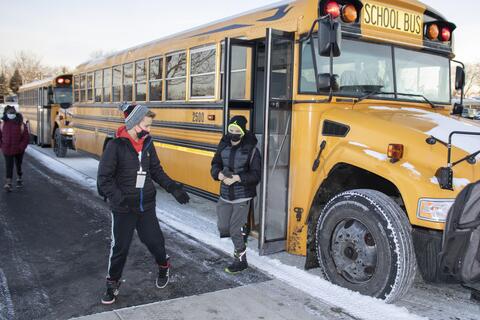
pixel 332 8
pixel 446 34
pixel 60 80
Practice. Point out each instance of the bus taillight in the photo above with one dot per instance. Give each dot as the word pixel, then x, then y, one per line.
pixel 446 34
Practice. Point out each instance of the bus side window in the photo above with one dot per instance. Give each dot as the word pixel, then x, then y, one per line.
pixel 202 72
pixel 176 76
pixel 155 79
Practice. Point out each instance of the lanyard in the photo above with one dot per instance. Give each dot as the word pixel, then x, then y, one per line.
pixel 140 161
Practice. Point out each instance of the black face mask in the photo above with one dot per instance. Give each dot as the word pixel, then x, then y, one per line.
pixel 235 137
pixel 142 134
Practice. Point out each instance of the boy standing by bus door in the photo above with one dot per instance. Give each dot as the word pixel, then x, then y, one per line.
pixel 237 164
pixel 126 172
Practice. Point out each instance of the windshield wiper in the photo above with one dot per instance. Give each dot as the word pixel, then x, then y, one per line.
pixel 419 95
pixel 370 94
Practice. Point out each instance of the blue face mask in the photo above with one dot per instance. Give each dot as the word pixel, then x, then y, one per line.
pixel 11 116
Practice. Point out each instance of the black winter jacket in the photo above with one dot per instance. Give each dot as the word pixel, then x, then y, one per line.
pixel 239 160
pixel 117 176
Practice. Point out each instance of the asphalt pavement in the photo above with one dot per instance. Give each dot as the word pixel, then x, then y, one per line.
pixel 55 241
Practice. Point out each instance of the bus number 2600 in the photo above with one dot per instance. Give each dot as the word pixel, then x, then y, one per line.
pixel 198 117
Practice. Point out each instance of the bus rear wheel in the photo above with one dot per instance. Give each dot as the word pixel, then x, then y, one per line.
pixel 59 145
pixel 364 243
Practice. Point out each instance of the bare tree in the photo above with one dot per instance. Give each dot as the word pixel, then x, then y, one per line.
pixel 97 54
pixel 3 85
pixel 29 65
pixel 5 67
pixel 472 78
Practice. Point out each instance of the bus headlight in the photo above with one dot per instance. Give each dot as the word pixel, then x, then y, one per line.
pixel 68 131
pixel 435 210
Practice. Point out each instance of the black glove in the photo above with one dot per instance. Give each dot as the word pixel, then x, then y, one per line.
pixel 227 173
pixel 180 195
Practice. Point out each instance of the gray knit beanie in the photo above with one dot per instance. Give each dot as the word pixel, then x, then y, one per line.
pixel 134 113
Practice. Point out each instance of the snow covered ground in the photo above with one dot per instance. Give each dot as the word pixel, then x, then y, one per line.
pixel 435 301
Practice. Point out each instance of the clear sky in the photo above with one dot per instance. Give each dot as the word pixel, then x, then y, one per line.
pixel 67 32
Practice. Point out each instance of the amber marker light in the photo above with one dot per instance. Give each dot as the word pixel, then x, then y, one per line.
pixel 67 81
pixel 332 8
pixel 395 152
pixel 446 34
pixel 433 32
pixel 349 13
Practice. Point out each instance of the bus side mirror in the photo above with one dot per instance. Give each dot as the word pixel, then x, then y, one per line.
pixel 329 38
pixel 327 82
pixel 459 78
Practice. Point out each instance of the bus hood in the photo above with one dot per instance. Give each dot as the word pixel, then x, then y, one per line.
pixel 438 124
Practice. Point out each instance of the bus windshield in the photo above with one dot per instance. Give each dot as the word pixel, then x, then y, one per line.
pixel 365 67
pixel 63 95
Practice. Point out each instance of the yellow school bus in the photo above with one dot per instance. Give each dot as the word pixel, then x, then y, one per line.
pixel 44 105
pixel 350 102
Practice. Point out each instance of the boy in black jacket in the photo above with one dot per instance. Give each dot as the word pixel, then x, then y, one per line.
pixel 237 164
pixel 125 174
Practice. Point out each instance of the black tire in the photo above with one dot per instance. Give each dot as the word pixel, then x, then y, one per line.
pixel 364 243
pixel 59 146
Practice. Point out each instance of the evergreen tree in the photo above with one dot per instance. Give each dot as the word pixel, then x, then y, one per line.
pixel 15 81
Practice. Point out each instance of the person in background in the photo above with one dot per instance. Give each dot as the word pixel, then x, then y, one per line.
pixel 14 137
pixel 237 164
pixel 126 173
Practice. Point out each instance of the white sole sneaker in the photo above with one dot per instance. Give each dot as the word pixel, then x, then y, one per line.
pixel 108 302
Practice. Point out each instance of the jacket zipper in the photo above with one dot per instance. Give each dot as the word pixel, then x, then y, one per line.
pixel 141 190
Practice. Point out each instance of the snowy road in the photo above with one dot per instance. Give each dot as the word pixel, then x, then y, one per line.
pixel 197 220
pixel 54 245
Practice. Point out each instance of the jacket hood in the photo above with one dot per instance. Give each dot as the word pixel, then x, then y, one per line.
pixel 122 132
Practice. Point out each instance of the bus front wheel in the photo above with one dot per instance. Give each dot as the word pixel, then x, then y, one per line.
pixel 364 243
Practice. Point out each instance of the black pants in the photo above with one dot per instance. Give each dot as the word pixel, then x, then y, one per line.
pixel 149 232
pixel 10 161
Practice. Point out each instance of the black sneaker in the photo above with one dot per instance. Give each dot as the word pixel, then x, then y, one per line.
pixel 112 292
pixel 19 183
pixel 239 263
pixel 163 275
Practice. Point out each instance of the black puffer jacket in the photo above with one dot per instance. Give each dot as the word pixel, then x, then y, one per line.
pixel 240 160
pixel 117 176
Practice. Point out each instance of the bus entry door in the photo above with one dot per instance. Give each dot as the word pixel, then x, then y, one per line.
pixel 273 197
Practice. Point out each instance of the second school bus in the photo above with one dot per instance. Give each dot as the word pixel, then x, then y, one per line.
pixel 354 127
pixel 44 104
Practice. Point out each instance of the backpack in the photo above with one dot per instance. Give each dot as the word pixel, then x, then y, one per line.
pixel 460 255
